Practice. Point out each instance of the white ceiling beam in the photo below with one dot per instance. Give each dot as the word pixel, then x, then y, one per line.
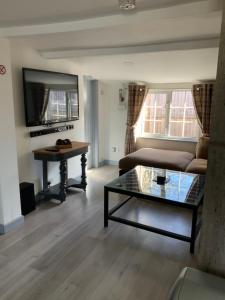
pixel 195 9
pixel 167 46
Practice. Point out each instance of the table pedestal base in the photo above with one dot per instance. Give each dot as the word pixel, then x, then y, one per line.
pixel 59 191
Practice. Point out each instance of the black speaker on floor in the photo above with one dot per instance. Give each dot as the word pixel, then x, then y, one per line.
pixel 27 197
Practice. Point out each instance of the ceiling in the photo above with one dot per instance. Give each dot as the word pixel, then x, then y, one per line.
pixel 173 34
pixel 13 13
pixel 160 67
pixel 151 31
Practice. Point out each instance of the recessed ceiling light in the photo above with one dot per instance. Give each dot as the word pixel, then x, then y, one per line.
pixel 127 4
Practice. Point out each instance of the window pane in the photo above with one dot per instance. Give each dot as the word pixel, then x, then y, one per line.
pixel 160 113
pixel 150 100
pixel 189 99
pixel 160 127
pixel 190 114
pixel 176 128
pixel 149 126
pixel 190 129
pixel 154 114
pixel 178 99
pixel 177 114
pixel 149 113
pixel 183 121
pixel 160 100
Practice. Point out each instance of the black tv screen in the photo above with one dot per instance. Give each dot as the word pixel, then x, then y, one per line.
pixel 50 97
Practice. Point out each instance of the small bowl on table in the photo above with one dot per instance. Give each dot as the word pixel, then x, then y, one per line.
pixel 63 144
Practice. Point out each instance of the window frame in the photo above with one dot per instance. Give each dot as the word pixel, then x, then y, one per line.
pixel 166 136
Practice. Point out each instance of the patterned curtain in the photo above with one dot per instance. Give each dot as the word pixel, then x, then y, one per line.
pixel 136 96
pixel 203 96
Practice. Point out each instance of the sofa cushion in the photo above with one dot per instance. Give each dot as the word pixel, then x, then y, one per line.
pixel 166 159
pixel 197 166
pixel 202 147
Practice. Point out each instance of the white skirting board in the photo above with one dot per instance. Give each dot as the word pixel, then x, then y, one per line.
pixel 109 163
pixel 4 228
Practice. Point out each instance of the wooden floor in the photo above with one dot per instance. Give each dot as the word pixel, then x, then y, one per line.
pixel 63 251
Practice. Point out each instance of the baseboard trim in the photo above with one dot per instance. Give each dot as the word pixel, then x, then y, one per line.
pixel 106 162
pixel 110 162
pixel 4 228
pixel 101 164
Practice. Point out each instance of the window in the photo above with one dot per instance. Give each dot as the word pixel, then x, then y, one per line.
pixel 61 105
pixel 57 105
pixel 169 114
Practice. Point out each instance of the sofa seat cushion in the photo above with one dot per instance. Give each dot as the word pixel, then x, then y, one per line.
pixel 197 166
pixel 165 159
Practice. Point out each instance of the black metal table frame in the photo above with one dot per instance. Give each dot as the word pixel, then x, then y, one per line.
pixel 195 226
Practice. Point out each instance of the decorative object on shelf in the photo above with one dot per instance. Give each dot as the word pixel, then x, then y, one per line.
pixel 127 4
pixel 63 144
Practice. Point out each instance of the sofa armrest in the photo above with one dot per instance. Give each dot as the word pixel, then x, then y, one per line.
pixel 197 166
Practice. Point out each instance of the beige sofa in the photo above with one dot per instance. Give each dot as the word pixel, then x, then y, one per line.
pixel 168 159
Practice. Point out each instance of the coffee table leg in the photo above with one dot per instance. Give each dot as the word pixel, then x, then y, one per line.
pixel 193 230
pixel 106 207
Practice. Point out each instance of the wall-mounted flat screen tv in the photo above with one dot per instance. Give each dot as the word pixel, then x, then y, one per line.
pixel 50 97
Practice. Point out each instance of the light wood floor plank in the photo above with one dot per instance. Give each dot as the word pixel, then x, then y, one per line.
pixel 64 252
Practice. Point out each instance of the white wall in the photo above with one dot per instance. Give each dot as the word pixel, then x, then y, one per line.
pixel 30 170
pixel 103 122
pixel 9 184
pixel 113 117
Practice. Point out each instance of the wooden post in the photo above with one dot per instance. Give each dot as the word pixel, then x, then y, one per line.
pixel 212 240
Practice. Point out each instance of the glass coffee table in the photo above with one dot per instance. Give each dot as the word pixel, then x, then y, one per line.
pixel 181 189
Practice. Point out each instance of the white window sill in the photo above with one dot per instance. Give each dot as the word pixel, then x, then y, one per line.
pixel 169 138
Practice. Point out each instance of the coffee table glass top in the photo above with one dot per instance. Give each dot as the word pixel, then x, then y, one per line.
pixel 180 187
